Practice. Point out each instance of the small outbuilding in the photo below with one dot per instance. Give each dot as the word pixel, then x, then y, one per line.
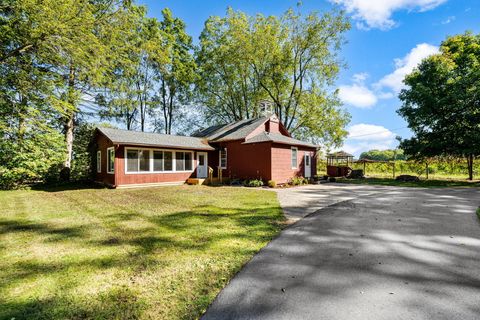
pixel 338 164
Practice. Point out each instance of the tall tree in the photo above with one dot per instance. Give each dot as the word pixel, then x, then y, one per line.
pixel 118 96
pixel 70 38
pixel 177 74
pixel 441 103
pixel 227 85
pixel 292 61
pixel 129 92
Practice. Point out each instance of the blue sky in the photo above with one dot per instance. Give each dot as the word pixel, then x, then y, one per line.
pixel 388 38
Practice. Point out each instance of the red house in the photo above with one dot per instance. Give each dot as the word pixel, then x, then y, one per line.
pixel 259 148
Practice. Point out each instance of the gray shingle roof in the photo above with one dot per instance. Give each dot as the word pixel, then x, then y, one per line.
pixel 278 138
pixel 154 139
pixel 233 131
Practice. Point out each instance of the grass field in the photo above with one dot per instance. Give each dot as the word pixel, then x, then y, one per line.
pixel 430 183
pixel 157 253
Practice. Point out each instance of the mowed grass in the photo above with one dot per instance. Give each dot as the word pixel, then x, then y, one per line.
pixel 430 183
pixel 157 253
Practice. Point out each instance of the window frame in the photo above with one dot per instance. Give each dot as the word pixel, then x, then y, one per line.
pixel 99 161
pixel 296 157
pixel 109 156
pixel 220 158
pixel 151 162
pixel 308 156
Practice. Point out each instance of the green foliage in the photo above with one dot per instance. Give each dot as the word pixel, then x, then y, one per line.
pixel 177 75
pixel 298 181
pixel 271 183
pixel 53 54
pixel 253 183
pixel 441 103
pixel 291 60
pixel 35 158
pixel 383 155
pixel 82 157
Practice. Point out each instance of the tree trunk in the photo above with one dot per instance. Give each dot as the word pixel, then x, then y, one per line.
pixel 426 169
pixel 470 166
pixel 68 126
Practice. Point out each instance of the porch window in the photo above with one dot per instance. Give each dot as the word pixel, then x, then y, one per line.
pixel 180 161
pixel 157 160
pixel 294 158
pixel 168 161
pixel 223 158
pixel 144 160
pixel 132 160
pixel 99 161
pixel 138 160
pixel 150 160
pixel 110 160
pixel 183 161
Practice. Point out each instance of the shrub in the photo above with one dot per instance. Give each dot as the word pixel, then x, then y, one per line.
pixel 271 183
pixel 253 183
pixel 298 181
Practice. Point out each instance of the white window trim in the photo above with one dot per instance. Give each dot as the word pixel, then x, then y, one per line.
pixel 108 162
pixel 174 153
pixel 296 157
pixel 99 161
pixel 220 159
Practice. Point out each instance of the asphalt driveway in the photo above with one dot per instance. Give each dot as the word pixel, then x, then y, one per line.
pixel 378 253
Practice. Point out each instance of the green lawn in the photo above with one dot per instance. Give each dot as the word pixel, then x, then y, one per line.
pixel 157 253
pixel 431 183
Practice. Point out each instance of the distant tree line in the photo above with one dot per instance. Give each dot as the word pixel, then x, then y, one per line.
pixel 383 155
pixel 67 64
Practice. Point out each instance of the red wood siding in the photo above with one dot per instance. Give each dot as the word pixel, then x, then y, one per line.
pixel 102 144
pixel 247 161
pixel 282 166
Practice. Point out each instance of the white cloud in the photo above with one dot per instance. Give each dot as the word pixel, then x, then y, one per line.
pixel 378 13
pixel 357 95
pixel 363 137
pixel 369 132
pixel 405 65
pixel 448 20
pixel 360 77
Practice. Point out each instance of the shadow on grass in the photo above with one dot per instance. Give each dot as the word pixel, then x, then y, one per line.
pixel 193 231
pixel 67 186
pixel 119 303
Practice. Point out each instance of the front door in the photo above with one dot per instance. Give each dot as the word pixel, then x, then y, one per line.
pixel 202 165
pixel 308 165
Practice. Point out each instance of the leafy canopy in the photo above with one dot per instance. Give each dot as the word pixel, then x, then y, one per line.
pixel 441 103
pixel 290 60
